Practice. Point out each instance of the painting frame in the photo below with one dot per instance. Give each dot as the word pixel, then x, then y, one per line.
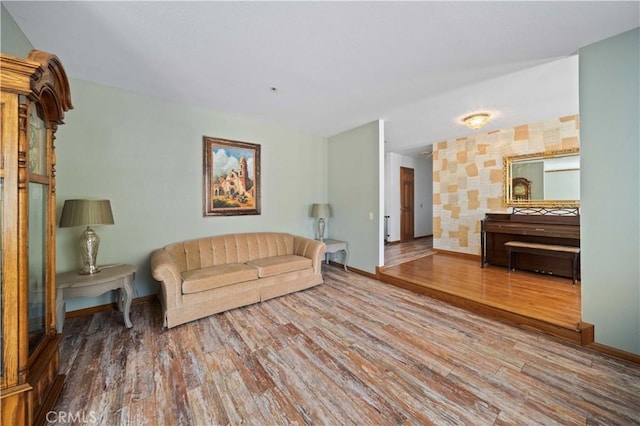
pixel 231 177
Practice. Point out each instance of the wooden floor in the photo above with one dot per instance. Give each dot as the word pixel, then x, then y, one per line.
pixel 548 304
pixel 352 351
pixel 395 254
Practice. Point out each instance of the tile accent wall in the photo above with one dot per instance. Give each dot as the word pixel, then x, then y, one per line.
pixel 468 176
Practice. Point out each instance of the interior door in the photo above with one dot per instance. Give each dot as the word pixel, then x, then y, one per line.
pixel 406 204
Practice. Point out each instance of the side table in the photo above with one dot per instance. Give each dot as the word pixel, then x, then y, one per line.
pixel 334 246
pixel 111 277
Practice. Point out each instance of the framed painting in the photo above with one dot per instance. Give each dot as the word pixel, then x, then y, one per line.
pixel 231 178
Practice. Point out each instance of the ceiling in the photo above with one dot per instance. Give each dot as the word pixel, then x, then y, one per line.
pixel 327 67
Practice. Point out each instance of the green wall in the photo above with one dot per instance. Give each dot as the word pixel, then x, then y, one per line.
pixel 356 182
pixel 610 188
pixel 12 39
pixel 145 155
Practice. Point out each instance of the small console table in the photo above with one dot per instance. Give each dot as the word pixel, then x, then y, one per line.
pixel 334 246
pixel 116 277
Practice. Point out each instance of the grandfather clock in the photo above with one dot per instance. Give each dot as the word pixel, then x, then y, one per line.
pixel 35 95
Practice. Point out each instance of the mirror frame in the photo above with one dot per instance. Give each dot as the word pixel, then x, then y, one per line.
pixel 507 190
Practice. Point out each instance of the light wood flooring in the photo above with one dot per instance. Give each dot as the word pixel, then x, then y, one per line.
pixel 554 299
pixel 395 254
pixel 545 303
pixel 352 351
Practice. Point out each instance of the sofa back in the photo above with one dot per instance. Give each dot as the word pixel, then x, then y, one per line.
pixel 232 248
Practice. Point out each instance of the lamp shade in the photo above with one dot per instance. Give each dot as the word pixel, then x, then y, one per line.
pixel 320 210
pixel 86 213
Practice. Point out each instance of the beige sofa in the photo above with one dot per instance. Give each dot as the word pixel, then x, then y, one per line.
pixel 210 275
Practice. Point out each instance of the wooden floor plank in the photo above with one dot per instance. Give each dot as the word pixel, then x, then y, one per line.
pixel 397 253
pixel 139 385
pixel 310 404
pixel 554 299
pixel 547 304
pixel 350 351
pixel 201 412
pixel 141 412
pixel 360 377
pixel 170 389
pixel 602 398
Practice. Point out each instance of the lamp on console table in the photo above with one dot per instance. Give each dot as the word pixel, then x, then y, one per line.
pixel 87 213
pixel 321 211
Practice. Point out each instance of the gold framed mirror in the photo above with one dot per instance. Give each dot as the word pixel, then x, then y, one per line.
pixel 543 179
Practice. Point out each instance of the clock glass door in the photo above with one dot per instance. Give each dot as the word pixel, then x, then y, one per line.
pixel 38 190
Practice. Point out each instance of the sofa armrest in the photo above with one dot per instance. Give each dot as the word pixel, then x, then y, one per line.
pixel 165 270
pixel 313 249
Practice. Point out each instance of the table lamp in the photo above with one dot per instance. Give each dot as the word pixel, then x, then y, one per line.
pixel 321 211
pixel 87 213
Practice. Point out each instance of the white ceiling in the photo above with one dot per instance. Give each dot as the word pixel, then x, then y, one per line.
pixel 420 66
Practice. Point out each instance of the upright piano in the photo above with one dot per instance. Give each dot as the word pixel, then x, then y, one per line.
pixel 498 228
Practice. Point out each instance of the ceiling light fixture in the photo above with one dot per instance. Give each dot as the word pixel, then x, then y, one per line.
pixel 476 121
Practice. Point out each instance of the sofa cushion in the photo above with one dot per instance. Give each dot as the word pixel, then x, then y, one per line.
pixel 216 276
pixel 275 265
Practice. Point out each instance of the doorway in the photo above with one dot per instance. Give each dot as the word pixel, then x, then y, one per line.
pixel 407 232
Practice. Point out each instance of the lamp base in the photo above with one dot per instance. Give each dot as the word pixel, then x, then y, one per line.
pixel 89 243
pixel 321 229
pixel 89 271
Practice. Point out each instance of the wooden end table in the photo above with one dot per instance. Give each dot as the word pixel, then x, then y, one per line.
pixel 334 246
pixel 111 277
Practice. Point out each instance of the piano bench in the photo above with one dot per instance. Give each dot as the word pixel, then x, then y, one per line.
pixel 543 249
